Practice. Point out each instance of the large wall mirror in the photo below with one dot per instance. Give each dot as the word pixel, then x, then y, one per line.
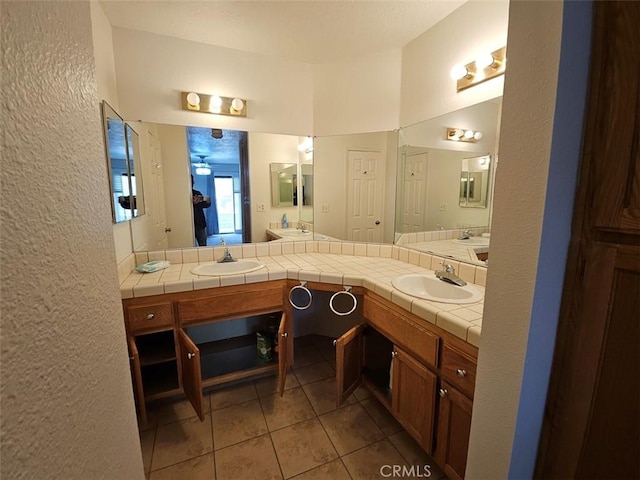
pixel 444 187
pixel 122 151
pixel 229 169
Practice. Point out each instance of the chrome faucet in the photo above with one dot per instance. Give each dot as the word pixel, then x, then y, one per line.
pixel 448 274
pixel 465 234
pixel 302 227
pixel 226 258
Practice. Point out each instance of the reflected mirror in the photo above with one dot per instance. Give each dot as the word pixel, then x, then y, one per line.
pixel 133 156
pixel 284 184
pixel 474 182
pixel 117 164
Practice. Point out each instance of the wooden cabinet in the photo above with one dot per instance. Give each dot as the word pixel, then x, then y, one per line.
pixel 402 384
pixel 169 353
pixel 454 425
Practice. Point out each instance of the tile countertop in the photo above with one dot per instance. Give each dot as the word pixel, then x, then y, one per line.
pixel 373 272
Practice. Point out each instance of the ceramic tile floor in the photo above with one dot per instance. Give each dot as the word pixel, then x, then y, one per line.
pixel 250 432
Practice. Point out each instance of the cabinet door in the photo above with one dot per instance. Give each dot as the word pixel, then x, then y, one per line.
pixel 285 350
pixel 136 377
pixel 191 372
pixel 413 397
pixel 454 425
pixel 349 358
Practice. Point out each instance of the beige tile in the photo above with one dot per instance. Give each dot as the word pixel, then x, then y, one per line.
pixel 334 470
pixel 147 438
pixel 414 454
pixel 362 393
pixel 169 412
pixel 269 385
pixel 374 461
pixel 302 446
pixel 384 420
pixel 225 397
pixel 350 428
pixel 180 441
pixel 253 459
pixel 292 407
pixel 238 423
pixel 199 468
pixel 322 395
pixel 313 373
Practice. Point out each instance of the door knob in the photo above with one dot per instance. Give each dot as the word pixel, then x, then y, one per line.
pixel 285 335
pixel 167 230
pixel 377 222
pixel 335 342
pixel 460 373
pixel 190 355
pixel 443 392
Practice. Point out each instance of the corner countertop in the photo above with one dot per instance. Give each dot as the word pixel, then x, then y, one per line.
pixel 368 265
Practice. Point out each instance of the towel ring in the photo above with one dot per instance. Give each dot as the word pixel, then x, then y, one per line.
pixel 346 291
pixel 303 287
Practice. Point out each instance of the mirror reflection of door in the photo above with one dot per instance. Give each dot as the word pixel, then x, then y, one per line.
pixel 414 192
pixel 365 196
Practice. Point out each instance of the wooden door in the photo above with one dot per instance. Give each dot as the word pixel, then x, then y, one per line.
pixel 191 372
pixel 285 350
pixel 245 191
pixel 414 193
pixel 136 378
pixel 349 360
pixel 365 196
pixel 591 427
pixel 413 397
pixel 454 426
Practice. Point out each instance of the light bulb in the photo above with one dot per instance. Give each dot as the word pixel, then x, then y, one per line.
pixel 468 134
pixel 477 135
pixel 484 60
pixel 237 104
pixel 203 171
pixel 459 71
pixel 215 103
pixel 193 99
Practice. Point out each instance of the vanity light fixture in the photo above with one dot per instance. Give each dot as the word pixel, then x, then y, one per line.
pixel 200 102
pixel 485 67
pixel 463 135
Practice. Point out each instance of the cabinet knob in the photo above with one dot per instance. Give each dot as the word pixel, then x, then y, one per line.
pixel 285 335
pixel 131 358
pixel 393 354
pixel 443 392
pixel 335 342
pixel 460 373
pixel 151 316
pixel 190 355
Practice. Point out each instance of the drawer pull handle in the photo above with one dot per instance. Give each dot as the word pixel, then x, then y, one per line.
pixel 460 373
pixel 346 291
pixel 190 355
pixel 151 316
pixel 443 392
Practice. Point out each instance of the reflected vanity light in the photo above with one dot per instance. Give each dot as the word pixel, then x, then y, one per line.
pixel 485 67
pixel 463 135
pixel 306 146
pixel 215 104
pixel 203 171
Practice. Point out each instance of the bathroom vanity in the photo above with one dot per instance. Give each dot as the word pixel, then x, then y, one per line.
pixel 422 373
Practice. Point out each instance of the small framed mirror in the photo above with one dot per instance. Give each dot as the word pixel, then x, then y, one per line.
pixel 117 164
pixel 284 184
pixel 474 181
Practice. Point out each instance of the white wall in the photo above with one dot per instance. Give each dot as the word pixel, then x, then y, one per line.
pixel 427 89
pixel 152 70
pixel 361 95
pixel 67 403
pixel 330 171
pixel 263 150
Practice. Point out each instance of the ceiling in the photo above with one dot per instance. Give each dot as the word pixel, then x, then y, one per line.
pixel 304 31
pixel 204 148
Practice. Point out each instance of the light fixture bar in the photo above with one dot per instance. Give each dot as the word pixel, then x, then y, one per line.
pixel 214 104
pixel 476 74
pixel 463 135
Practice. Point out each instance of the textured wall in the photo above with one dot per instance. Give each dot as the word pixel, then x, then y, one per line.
pixel 67 406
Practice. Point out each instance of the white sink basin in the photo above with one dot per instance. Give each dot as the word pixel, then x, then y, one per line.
pixel 474 241
pixel 431 288
pixel 294 233
pixel 228 268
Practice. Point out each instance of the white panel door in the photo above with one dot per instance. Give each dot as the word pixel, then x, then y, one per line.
pixel 414 196
pixel 159 216
pixel 365 196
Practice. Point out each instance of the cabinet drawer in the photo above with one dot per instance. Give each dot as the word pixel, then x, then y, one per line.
pixel 409 336
pixel 249 300
pixel 459 370
pixel 144 317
